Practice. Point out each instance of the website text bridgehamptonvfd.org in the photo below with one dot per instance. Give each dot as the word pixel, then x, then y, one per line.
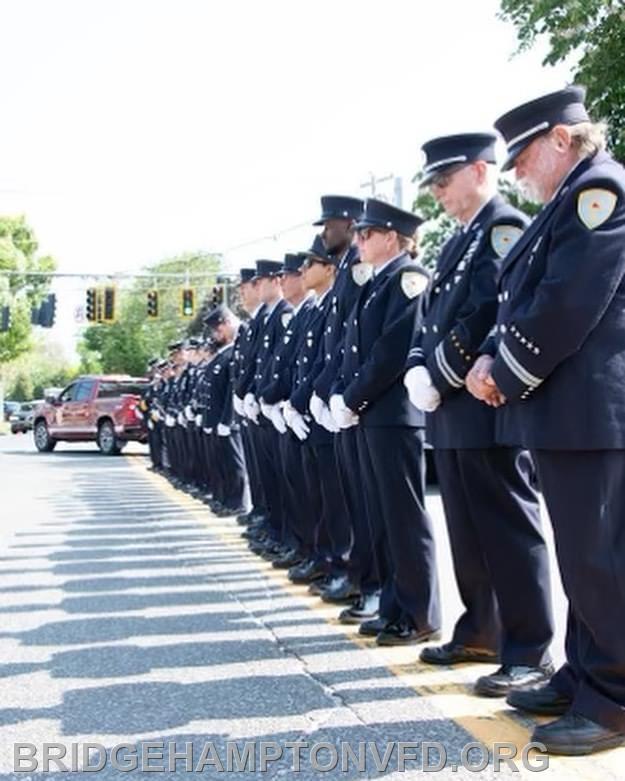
pixel 268 755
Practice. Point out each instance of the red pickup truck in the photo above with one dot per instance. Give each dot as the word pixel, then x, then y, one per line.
pixel 100 409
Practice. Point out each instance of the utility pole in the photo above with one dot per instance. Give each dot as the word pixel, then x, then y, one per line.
pixel 372 184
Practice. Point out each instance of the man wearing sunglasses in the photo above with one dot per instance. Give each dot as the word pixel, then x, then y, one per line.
pixel 491 509
pixel 370 395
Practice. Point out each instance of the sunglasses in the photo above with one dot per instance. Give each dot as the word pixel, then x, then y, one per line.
pixel 364 234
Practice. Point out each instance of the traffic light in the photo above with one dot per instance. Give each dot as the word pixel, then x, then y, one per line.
pixel 152 303
pixel 187 302
pixel 90 308
pixel 5 318
pixel 217 296
pixel 109 304
pixel 47 311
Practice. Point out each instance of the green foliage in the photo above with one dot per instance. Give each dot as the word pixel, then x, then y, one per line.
pixel 44 366
pixel 18 248
pixel 128 344
pixel 438 228
pixel 594 32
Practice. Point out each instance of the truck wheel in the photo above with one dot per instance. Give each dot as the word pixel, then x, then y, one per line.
pixel 107 441
pixel 43 441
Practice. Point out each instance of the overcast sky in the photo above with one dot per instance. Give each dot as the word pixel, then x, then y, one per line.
pixel 139 129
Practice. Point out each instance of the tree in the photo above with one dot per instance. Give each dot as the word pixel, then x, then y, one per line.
pixel 18 253
pixel 593 31
pixel 46 365
pixel 126 345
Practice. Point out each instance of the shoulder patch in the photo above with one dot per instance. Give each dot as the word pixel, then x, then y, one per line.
pixel 361 273
pixel 595 206
pixel 286 318
pixel 504 237
pixel 413 283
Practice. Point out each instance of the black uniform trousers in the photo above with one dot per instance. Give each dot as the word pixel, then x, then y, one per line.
pixel 327 506
pixel 395 466
pixel 209 477
pixel 362 564
pixel 299 531
pixel 585 496
pixel 154 443
pixel 249 435
pixel 500 557
pixel 231 464
pixel 271 477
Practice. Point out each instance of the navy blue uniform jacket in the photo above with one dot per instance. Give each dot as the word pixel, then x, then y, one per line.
pixel 461 311
pixel 560 336
pixel 380 330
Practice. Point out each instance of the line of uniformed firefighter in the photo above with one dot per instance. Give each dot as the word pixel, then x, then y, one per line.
pixel 308 420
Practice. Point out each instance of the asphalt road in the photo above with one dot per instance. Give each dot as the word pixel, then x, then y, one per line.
pixel 129 615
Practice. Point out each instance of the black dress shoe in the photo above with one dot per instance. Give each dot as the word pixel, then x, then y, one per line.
pixel 365 607
pixel 289 559
pixel 373 627
pixel 453 653
pixel 509 677
pixel 542 698
pixel 228 512
pixel 307 572
pixel 404 634
pixel 574 735
pixel 340 590
pixel 318 586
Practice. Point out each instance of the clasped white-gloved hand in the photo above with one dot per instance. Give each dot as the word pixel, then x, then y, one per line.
pixel 295 421
pixel 316 407
pixel 299 427
pixel 189 412
pixel 198 421
pixel 327 421
pixel 251 408
pixel 237 403
pixel 343 416
pixel 421 391
pixel 277 418
pixel 223 430
pixel 265 409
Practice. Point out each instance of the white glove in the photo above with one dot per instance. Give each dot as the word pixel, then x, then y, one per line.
pixel 421 391
pixel 277 418
pixel 198 420
pixel 170 421
pixel 317 406
pixel 327 421
pixel 151 425
pixel 299 426
pixel 288 411
pixel 239 407
pixel 155 415
pixel 189 412
pixel 342 414
pixel 223 430
pixel 266 409
pixel 251 408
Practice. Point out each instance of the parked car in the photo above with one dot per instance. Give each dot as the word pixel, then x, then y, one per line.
pixel 100 409
pixel 22 419
pixel 8 408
